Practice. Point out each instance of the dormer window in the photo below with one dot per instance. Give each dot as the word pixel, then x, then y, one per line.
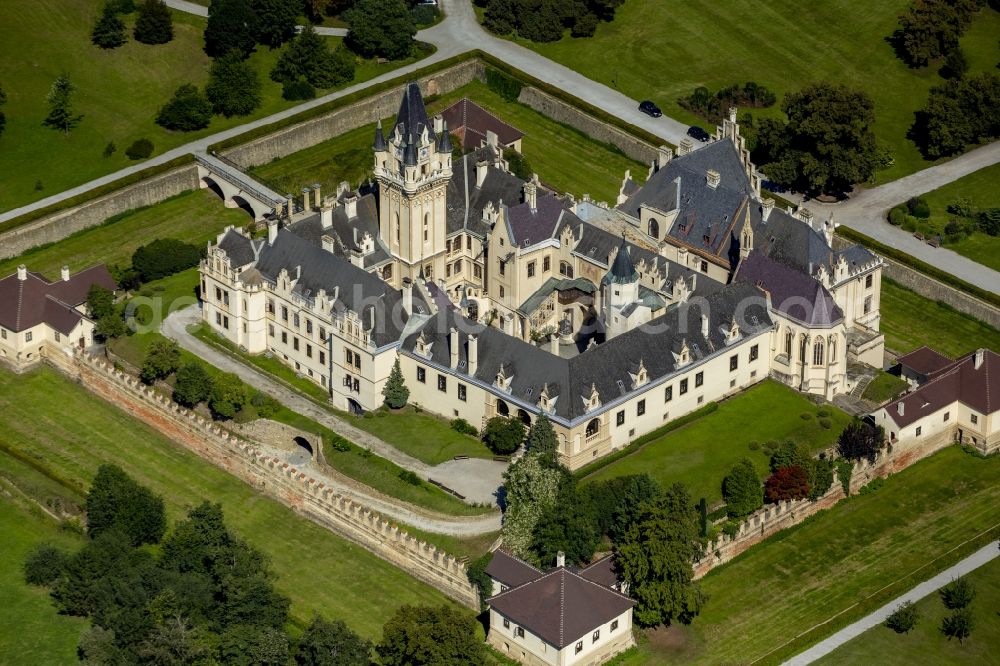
pixel 423 346
pixel 503 381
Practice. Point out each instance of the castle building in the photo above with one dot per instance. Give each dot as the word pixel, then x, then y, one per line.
pixel 500 297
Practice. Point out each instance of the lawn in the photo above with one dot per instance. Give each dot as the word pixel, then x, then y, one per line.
pixel 850 560
pixel 926 643
pixel 195 217
pixel 119 92
pixel 910 320
pixel 884 387
pixel 563 157
pixel 701 453
pixel 319 571
pixel 662 51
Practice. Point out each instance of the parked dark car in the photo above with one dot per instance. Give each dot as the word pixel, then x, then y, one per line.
pixel 698 133
pixel 650 109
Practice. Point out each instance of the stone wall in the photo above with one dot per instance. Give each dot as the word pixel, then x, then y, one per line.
pixel 928 287
pixel 61 224
pixel 773 518
pixel 271 476
pixel 596 129
pixel 308 133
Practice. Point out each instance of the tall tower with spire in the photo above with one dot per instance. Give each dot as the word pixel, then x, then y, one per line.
pixel 412 168
pixel 620 286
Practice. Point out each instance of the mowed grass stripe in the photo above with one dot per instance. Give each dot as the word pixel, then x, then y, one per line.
pixel 73 432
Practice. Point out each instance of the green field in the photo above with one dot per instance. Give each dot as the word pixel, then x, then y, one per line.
pixel 119 92
pixel 701 453
pixel 662 51
pixel 563 157
pixel 910 320
pixel 850 560
pixel 318 570
pixel 926 643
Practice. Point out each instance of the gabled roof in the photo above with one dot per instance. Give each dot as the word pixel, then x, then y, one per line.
pixel 412 117
pixel 560 607
pixel 466 201
pixel 602 572
pixel 35 300
pixel 528 226
pixel 471 122
pixel 511 571
pixel 793 293
pixel 925 361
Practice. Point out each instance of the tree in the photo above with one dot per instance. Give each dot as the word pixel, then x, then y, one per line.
pixel 233 86
pixel 860 441
pixel 382 28
pixel 957 594
pixel 820 477
pixel 931 28
pixel 248 645
pixel 790 453
pixel 275 20
pixel 309 57
pixel 395 392
pixel 958 113
pixel 187 110
pixel 828 143
pixel 958 625
pixel 615 502
pixel 162 359
pixel 787 483
pixel 542 440
pixel 60 101
pixel 97 646
pixel 110 326
pixel 655 556
pixel 476 573
pixel 500 16
pixel 429 635
pixel 531 490
pixel 228 396
pixel 140 149
pixel 171 642
pixel 100 301
pixel 955 64
pixel 192 384
pixel 116 502
pixel 164 257
pixel 297 90
pixel 109 30
pixel 232 26
pixel 567 527
pixel 904 618
pixel 503 435
pixel 45 563
pixel 742 490
pixel 518 164
pixel 331 644
pixel 154 25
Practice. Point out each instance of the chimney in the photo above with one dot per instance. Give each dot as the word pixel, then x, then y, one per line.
pixel 677 197
pixel 289 205
pixel 326 217
pixel 272 231
pixel 766 206
pixel 408 295
pixel 453 346
pixel 306 199
pixel 663 155
pixel 371 317
pixel 473 354
pixel 685 147
pixel 554 343
pixel 531 193
pixel 438 123
pixel 298 273
pixel 704 326
pixel 22 273
pixel 327 243
pixel 978 361
pixel 560 559
pixel 900 407
pixel 317 200
pixel 712 178
pixel 336 293
pixel 491 138
pixel 64 273
pixel 351 206
pixel 481 167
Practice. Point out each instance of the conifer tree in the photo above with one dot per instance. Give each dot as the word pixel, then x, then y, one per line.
pixel 395 392
pixel 109 31
pixel 155 25
pixel 60 103
pixel 542 441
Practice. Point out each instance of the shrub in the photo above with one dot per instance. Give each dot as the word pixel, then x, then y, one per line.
pixel 122 6
pixel 825 423
pixel 820 477
pixel 844 470
pixel 988 221
pixel 228 396
pixel 464 427
pixel 957 594
pixel 477 575
pixel 154 25
pixel 424 15
pixel 187 110
pixel 192 385
pixel 872 486
pixel 742 490
pixel 731 528
pixel 897 215
pixel 338 443
pixel 958 625
pixel 503 84
pixel 44 565
pixel 110 149
pixel 962 207
pixel 822 411
pixel 787 483
pixel 805 416
pixel 754 446
pixel 410 477
pixel 298 89
pixel 164 257
pixel 904 618
pixel 502 435
pixel 918 207
pixel 140 149
pixel 265 405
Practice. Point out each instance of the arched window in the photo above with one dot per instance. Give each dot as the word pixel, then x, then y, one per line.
pixel 427 226
pixel 593 428
pixel 395 224
pixel 653 229
pixel 387 272
pixel 818 352
pixel 502 408
pixel 788 344
pixel 565 269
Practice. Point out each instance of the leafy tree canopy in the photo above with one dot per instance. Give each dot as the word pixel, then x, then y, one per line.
pixel 192 384
pixel 164 257
pixel 426 636
pixel 275 20
pixel 187 110
pixel 233 87
pixel 860 441
pixel 382 28
pixel 117 502
pixel 109 30
pixel 331 644
pixel 162 359
pixel 742 489
pixel 787 483
pixel 503 435
pixel 154 25
pixel 232 26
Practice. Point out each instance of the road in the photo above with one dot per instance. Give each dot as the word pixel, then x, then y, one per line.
pixel 476 478
pixel 823 648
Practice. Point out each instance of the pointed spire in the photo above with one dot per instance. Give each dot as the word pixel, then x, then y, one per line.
pixel 412 114
pixel 622 270
pixel 444 141
pixel 379 145
pixel 410 152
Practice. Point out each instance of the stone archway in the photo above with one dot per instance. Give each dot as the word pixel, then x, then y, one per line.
pixel 245 205
pixel 525 417
pixel 303 443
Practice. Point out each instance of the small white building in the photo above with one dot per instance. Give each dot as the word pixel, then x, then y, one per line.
pixel 564 617
pixel 36 313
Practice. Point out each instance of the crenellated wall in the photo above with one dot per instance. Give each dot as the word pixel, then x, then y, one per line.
pixel 271 476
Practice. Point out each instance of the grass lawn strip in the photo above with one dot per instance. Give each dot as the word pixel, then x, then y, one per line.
pixel 701 453
pixel 319 571
pixel 926 642
pixel 884 387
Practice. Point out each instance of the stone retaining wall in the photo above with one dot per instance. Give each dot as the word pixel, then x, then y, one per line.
pixel 271 476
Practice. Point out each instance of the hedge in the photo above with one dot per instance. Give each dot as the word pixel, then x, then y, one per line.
pixel 637 443
pixel 920 266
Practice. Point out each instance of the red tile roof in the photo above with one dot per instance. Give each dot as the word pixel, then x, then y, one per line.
pixel 601 572
pixel 510 570
pixel 471 122
pixel 976 387
pixel 925 361
pixel 34 300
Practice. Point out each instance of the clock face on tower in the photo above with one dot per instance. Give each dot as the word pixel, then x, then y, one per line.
pixel 423 152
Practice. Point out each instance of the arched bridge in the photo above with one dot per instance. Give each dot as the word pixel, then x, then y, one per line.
pixel 237 189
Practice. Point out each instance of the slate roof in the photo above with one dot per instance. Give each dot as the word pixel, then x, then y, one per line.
pixel 622 269
pixel 412 117
pixel 793 293
pixel 471 122
pixel 601 572
pixel 561 607
pixel 35 300
pixel 555 284
pixel 978 389
pixel 528 227
pixel 498 185
pixel 925 361
pixel 604 365
pixel 347 232
pixel 510 570
pixel 359 290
